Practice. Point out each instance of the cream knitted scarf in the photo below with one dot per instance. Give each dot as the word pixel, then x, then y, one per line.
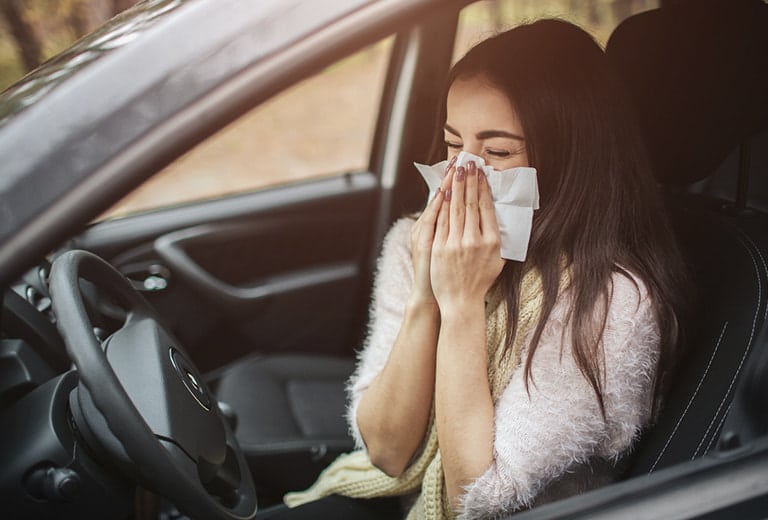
pixel 353 475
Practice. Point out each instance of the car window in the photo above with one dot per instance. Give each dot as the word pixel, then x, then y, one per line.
pixel 482 19
pixel 319 127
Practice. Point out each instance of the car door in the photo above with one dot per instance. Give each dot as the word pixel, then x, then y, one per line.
pixel 262 239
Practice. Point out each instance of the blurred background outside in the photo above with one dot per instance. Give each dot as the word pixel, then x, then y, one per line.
pixel 320 127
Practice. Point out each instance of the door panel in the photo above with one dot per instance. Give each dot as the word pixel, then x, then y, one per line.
pixel 217 259
pixel 286 269
pixel 284 272
pixel 283 269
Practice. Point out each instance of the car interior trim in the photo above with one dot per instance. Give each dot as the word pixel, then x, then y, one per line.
pixel 124 231
pixel 707 485
pixel 399 112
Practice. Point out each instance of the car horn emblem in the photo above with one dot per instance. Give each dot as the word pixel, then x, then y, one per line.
pixel 190 378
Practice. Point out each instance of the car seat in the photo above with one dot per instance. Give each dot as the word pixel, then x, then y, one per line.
pixel 288 415
pixel 698 79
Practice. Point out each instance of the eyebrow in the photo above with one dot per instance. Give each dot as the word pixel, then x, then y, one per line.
pixel 487 134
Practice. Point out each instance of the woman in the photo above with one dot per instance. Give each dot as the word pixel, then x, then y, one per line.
pixel 487 386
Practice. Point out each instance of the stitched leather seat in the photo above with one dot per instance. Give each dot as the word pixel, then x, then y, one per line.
pixel 700 89
pixel 732 279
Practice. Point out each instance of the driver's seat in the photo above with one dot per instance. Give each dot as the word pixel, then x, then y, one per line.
pixel 700 88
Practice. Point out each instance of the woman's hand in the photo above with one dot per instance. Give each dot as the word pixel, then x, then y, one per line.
pixel 393 434
pixel 422 239
pixel 466 258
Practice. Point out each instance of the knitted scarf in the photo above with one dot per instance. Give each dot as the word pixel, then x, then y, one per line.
pixel 353 475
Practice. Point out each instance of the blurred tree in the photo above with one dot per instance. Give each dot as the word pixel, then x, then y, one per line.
pixel 77 18
pixel 24 36
pixel 119 6
pixel 593 13
pixel 622 9
pixel 83 16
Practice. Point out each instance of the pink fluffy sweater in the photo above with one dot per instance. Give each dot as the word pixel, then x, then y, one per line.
pixel 550 441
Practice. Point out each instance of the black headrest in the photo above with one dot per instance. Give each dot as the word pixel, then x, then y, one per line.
pixel 697 72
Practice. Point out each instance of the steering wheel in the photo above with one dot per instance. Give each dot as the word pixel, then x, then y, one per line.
pixel 142 401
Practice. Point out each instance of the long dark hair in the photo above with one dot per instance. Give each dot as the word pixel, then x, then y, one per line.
pixel 600 210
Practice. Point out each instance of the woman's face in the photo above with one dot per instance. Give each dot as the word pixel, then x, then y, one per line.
pixel 481 120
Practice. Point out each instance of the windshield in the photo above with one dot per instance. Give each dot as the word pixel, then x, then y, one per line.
pixel 116 33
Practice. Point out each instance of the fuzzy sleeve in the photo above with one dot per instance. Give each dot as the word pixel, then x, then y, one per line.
pixel 543 433
pixel 391 289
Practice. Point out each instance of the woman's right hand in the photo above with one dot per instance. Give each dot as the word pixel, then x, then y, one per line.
pixel 393 434
pixel 422 238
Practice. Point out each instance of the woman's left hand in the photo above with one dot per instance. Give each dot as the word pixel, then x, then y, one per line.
pixel 466 255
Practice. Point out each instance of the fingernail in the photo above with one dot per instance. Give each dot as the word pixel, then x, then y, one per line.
pixel 450 164
pixel 472 168
pixel 460 173
pixel 448 194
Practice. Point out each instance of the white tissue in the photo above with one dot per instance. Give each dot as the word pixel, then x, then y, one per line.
pixel 515 195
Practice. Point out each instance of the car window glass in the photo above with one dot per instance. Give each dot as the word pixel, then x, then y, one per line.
pixel 482 19
pixel 319 127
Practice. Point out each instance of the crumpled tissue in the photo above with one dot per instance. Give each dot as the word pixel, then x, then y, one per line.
pixel 515 196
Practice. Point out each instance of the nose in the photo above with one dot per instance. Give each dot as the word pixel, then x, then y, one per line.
pixel 474 149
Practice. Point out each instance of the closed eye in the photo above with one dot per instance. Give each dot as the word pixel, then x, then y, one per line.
pixel 504 153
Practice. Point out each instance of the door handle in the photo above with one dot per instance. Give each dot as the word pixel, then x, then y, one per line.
pixel 171 250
